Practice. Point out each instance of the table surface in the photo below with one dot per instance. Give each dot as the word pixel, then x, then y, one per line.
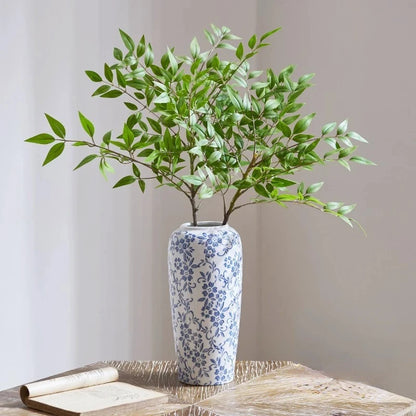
pixel 260 388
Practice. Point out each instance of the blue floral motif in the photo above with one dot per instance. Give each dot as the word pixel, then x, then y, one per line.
pixel 205 278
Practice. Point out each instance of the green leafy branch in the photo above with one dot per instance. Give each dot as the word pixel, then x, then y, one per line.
pixel 205 125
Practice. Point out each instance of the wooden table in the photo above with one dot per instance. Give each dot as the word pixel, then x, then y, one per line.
pixel 260 388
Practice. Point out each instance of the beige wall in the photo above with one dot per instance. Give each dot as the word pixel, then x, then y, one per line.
pixel 331 298
pixel 83 267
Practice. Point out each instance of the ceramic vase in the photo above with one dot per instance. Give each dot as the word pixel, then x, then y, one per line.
pixel 205 282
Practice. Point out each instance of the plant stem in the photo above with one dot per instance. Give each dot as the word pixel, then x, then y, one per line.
pixel 194 211
pixel 193 204
pixel 239 192
pixel 131 159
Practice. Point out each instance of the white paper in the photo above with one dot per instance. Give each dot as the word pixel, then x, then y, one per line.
pixel 98 397
pixel 71 382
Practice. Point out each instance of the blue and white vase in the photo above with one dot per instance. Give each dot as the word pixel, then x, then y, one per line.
pixel 205 281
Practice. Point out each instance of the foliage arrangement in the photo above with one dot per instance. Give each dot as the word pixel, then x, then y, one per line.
pixel 207 125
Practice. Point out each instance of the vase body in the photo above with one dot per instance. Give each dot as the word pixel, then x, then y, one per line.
pixel 205 282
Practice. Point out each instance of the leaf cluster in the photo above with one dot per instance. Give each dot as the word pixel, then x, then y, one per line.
pixel 207 123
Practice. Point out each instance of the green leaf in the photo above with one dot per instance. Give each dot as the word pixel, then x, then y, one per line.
pixel 196 151
pixel 228 35
pixel 294 94
pixel 254 74
pixel 234 97
pixel 214 156
pixel 101 90
pixel 141 47
pixel 346 151
pixel 257 172
pixel 302 138
pixel 205 192
pixel 331 141
pixel 284 128
pixel 131 106
pixel 362 160
pixel 281 183
pixel 149 55
pixel 242 184
pixel 112 94
pixel 195 49
pixel 127 180
pixel 86 160
pixel 328 128
pixel 290 119
pixel 172 60
pixel 355 136
pixel 259 85
pixel 216 30
pixel 252 42
pixel 127 40
pixel 118 54
pixel 285 72
pixel 142 185
pixel 346 209
pixel 333 206
pixel 56 126
pixel 157 70
pixel 261 190
pixel 209 37
pixel 312 146
pixel 164 61
pixel 139 95
pixel 345 219
pixel 344 163
pixel 193 179
pixel 162 98
pixel 155 125
pixel 54 152
pixel 104 166
pixel 302 124
pixel 107 138
pixel 271 104
pixel 293 107
pixel 342 128
pixel 287 197
pixel 145 153
pixel 108 73
pixel 136 170
pixel 346 141
pixel 305 78
pixel 120 79
pixel 242 83
pixel 43 138
pixel 152 156
pixel 128 135
pixel 314 188
pixel 239 51
pixel 267 34
pixel 86 124
pixel 93 76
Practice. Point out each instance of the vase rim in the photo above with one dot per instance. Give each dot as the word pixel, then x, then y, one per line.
pixel 204 224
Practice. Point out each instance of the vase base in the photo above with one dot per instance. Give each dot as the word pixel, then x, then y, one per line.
pixel 205 383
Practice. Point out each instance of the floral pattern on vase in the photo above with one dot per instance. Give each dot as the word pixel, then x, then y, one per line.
pixel 205 281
